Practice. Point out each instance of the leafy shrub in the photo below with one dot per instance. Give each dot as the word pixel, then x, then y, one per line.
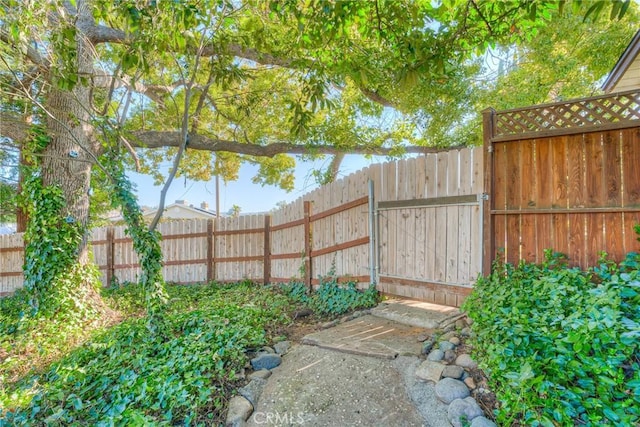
pixel 125 376
pixel 561 346
pixel 334 298
pixel 331 297
pixel 296 291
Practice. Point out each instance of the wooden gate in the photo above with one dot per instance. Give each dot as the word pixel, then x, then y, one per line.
pixel 429 235
pixel 430 249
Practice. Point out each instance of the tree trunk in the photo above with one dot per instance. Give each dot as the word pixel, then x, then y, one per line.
pixel 70 154
pixel 68 158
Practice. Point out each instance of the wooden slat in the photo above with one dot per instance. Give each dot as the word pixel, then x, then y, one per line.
pixel 464 244
pixel 241 231
pixel 288 225
pixel 528 192
pixel 560 227
pixel 453 244
pixel 614 236
pixel 631 243
pixel 345 279
pixel 594 238
pixel 442 175
pixel 594 210
pixel 307 244
pixel 434 201
pixel 543 172
pixel 430 244
pixel 513 176
pixel 440 267
pixel 233 259
pixel 341 208
pixel 594 171
pixel 431 169
pixel 631 171
pixel 528 238
pixel 512 247
pixel 340 247
pixel 576 243
pixel 612 168
pixel 11 274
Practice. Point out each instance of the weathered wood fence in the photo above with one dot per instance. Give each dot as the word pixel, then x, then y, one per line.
pixel 563 176
pixel 427 215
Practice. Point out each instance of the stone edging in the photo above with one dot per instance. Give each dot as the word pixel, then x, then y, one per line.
pixel 242 406
pixel 449 368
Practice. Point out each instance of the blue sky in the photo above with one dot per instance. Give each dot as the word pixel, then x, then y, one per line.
pixel 249 196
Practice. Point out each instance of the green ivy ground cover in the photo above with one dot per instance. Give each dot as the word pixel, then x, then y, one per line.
pixel 561 346
pixel 123 375
pixel 332 298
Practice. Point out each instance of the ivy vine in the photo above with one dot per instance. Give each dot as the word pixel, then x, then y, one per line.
pixel 51 270
pixel 56 281
pixel 146 242
pixel 52 274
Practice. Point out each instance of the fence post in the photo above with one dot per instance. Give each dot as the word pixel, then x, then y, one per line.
pixel 307 245
pixel 110 255
pixel 488 236
pixel 372 235
pixel 267 249
pixel 210 271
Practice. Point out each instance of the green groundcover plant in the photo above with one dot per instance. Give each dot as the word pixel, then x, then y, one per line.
pixel 561 346
pixel 124 375
pixel 332 298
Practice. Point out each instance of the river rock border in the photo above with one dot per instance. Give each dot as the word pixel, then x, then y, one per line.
pixel 264 361
pixel 449 367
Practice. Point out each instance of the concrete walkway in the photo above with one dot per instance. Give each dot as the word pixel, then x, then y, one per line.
pixel 358 373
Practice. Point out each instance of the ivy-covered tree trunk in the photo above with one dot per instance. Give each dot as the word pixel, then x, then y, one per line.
pixel 67 159
pixel 70 154
pixel 65 164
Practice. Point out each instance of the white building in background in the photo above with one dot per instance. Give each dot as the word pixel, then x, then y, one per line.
pixel 625 75
pixel 7 228
pixel 181 209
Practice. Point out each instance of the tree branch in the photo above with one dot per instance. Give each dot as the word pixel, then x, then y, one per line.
pixel 13 126
pixel 475 6
pixel 32 54
pixel 377 98
pixel 155 92
pixel 159 139
pixel 101 34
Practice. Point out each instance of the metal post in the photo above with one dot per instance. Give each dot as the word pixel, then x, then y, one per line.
pixel 372 235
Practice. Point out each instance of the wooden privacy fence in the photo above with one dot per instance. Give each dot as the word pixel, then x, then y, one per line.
pixel 197 250
pixel 427 246
pixel 563 176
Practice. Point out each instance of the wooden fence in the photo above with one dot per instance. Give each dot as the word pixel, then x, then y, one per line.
pixel 566 177
pixel 560 176
pixel 330 229
pixel 430 226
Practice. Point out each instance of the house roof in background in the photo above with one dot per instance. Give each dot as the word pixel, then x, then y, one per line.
pixel 178 206
pixel 7 228
pixel 625 60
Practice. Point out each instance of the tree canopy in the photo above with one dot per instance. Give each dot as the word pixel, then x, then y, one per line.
pixel 90 87
pixel 259 80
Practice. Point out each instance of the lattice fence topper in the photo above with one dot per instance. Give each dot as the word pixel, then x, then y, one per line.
pixel 619 107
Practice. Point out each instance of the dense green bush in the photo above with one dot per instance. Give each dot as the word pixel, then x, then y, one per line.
pixel 331 297
pixel 561 345
pixel 122 376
